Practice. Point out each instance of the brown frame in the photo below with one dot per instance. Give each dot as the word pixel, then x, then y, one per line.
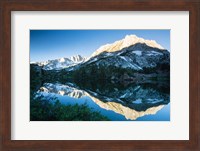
pixel 193 6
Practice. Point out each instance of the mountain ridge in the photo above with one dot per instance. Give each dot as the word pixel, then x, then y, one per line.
pixel 126 42
pixel 61 63
pixel 129 52
pixel 137 57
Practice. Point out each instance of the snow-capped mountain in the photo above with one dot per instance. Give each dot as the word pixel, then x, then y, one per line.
pixel 138 57
pixel 61 63
pixel 126 42
pixel 130 52
pixel 77 59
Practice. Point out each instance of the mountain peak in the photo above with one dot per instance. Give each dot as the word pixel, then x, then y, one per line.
pixel 62 63
pixel 77 58
pixel 61 60
pixel 126 42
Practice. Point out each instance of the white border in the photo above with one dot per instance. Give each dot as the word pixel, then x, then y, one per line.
pixel 176 129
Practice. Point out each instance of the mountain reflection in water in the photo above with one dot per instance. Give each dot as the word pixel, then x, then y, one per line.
pixel 117 102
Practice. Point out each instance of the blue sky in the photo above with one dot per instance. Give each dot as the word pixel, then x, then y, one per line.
pixel 53 44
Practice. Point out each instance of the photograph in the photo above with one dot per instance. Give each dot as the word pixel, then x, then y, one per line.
pixel 100 75
pixel 91 75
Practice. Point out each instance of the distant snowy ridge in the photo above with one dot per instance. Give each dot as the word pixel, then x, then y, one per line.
pixel 78 58
pixel 126 42
pixel 58 64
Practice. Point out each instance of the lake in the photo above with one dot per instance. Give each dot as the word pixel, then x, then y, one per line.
pixel 149 101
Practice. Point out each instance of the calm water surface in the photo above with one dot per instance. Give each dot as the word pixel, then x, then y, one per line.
pixel 138 102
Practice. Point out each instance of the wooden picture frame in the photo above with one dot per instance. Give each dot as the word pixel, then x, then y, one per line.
pixel 193 6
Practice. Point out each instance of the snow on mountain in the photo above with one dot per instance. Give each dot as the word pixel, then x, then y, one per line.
pixel 126 42
pixel 61 63
pixel 77 59
pixel 131 52
pixel 137 57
